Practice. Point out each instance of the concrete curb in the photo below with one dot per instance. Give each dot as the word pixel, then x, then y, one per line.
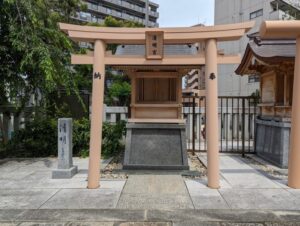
pixel 175 216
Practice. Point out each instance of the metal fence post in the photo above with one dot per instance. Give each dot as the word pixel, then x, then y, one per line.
pixel 243 128
pixel 193 126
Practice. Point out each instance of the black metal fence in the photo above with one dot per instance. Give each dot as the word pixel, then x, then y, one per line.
pixel 236 123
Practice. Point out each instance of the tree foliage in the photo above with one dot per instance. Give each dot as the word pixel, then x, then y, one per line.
pixel 34 53
pixel 118 93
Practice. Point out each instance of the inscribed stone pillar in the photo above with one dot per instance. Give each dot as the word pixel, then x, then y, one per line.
pixel 65 150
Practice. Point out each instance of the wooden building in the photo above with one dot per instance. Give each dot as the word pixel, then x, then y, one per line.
pixel 273 61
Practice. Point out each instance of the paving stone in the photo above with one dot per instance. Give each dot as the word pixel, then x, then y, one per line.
pixel 239 174
pixel 208 199
pixel 247 179
pixel 225 215
pixel 24 199
pixel 83 163
pixel 177 217
pixel 275 199
pixel 84 199
pixel 45 164
pixel 155 191
pixel 16 174
pixel 11 165
pixel 282 183
pixel 155 184
pixel 117 185
pixel 143 224
pixel 59 223
pixel 73 215
pixel 193 185
pixel 204 197
pixel 154 201
pixel 43 182
pixel 8 224
pixel 11 214
pixel 295 193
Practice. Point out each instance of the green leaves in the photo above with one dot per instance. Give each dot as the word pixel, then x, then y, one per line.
pixel 35 54
pixel 39 139
pixel 119 93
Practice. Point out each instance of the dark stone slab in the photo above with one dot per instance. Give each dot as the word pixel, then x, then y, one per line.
pixel 155 146
pixel 272 141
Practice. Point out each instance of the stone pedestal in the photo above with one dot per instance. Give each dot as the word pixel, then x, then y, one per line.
pixel 155 147
pixel 65 151
pixel 272 141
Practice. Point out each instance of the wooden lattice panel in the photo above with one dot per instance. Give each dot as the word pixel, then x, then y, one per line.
pixel 154 45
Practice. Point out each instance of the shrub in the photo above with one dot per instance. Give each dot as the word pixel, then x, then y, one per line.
pixel 39 139
pixel 111 136
pixel 81 137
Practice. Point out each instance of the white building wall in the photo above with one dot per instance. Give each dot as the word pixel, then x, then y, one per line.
pixel 237 11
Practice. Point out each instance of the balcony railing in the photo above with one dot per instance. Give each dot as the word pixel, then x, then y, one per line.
pixel 280 15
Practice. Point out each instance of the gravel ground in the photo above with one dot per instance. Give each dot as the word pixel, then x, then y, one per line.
pixel 268 169
pixel 114 169
pixel 197 169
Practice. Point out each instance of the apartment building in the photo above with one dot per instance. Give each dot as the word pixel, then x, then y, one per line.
pixel 141 11
pixel 237 11
pixel 194 81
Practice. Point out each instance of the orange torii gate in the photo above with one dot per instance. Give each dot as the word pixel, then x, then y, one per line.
pixel 155 58
pixel 291 30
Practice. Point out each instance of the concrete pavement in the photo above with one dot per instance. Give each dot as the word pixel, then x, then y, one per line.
pixel 28 194
pixel 159 191
pixel 116 217
pixel 243 187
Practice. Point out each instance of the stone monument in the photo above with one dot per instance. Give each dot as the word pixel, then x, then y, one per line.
pixel 65 167
pixel 156 146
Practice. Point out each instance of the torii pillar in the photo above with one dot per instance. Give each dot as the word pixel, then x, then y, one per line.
pixel 290 29
pixel 97 114
pixel 211 82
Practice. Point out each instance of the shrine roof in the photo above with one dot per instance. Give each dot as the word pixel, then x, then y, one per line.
pixel 266 51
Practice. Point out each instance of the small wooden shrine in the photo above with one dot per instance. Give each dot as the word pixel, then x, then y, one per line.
pixel 273 61
pixel 156 125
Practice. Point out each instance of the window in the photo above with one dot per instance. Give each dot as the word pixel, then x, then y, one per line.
pixel 256 14
pixel 94 19
pixel 253 78
pixel 95 7
pixel 84 16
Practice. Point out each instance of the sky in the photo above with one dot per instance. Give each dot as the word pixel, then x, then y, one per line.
pixel 184 13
